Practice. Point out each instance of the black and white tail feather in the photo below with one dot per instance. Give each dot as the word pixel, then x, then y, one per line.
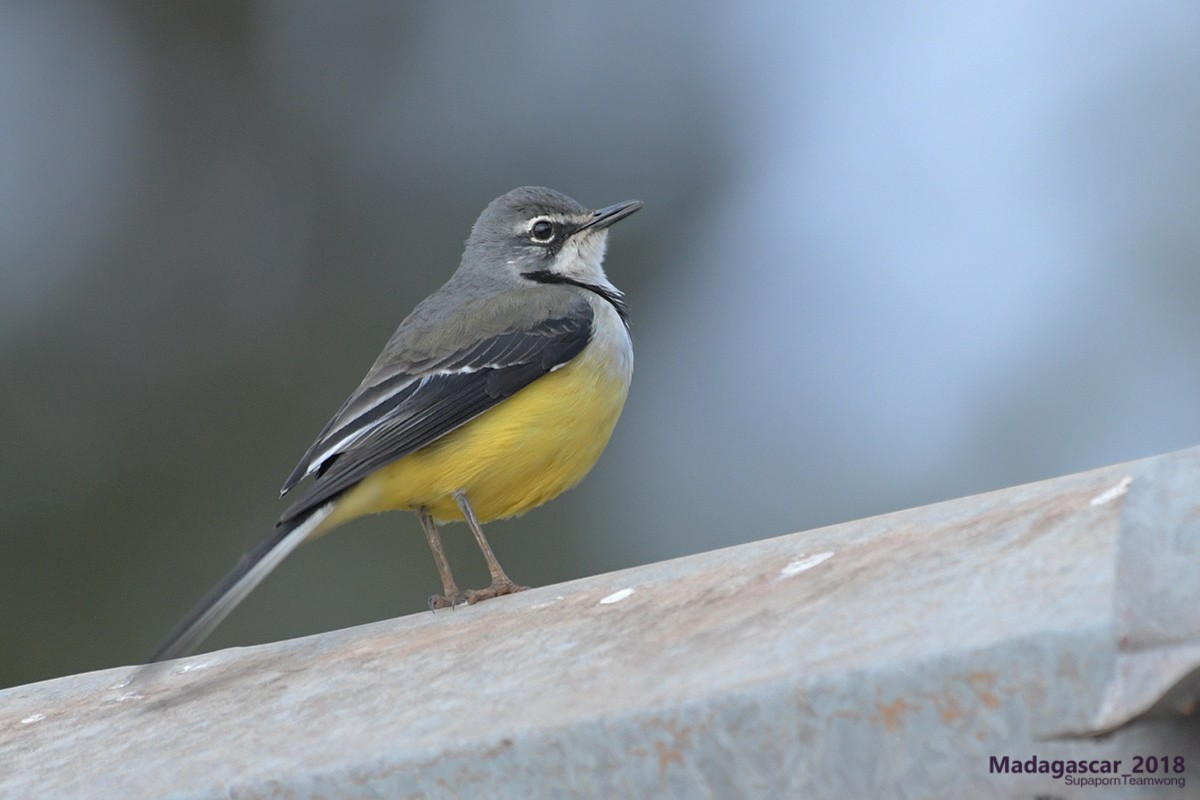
pixel 233 588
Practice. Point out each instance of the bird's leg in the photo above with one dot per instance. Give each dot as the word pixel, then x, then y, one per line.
pixel 452 596
pixel 501 583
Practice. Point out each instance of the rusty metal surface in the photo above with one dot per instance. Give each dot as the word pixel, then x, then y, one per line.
pixel 888 657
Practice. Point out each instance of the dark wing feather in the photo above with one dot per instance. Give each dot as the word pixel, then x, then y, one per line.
pixel 406 410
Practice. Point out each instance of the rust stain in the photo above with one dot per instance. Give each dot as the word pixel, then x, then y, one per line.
pixel 892 714
pixel 981 683
pixel 948 707
pixel 671 750
pixel 666 755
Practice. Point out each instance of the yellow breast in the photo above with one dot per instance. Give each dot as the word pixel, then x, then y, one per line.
pixel 517 455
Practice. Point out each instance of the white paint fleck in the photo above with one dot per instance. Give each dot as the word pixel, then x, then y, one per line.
pixel 798 565
pixel 32 719
pixel 1108 495
pixel 547 603
pixel 616 597
pixel 192 667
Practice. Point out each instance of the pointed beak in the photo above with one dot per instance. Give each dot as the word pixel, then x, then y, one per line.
pixel 602 218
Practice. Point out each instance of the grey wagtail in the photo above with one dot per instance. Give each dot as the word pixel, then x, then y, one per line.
pixel 497 393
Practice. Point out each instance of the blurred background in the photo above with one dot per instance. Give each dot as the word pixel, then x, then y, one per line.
pixel 889 256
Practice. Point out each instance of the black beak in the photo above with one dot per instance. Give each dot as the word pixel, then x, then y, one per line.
pixel 602 218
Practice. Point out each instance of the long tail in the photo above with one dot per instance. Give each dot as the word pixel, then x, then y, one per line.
pixel 241 580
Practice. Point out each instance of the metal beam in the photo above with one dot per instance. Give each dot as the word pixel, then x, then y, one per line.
pixel 903 655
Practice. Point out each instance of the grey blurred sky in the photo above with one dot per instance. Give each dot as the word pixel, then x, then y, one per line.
pixel 889 255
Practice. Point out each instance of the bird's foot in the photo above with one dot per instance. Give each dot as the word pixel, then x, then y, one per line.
pixel 498 587
pixel 473 596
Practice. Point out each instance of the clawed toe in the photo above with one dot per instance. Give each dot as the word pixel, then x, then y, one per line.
pixel 442 601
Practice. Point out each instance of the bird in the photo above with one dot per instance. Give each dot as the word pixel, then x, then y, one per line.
pixel 497 393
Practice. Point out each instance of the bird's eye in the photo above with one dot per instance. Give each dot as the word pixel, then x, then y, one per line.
pixel 542 231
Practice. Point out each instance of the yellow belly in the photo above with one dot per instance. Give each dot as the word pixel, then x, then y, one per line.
pixel 517 455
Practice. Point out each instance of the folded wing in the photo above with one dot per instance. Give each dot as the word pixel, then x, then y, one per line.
pixel 403 409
